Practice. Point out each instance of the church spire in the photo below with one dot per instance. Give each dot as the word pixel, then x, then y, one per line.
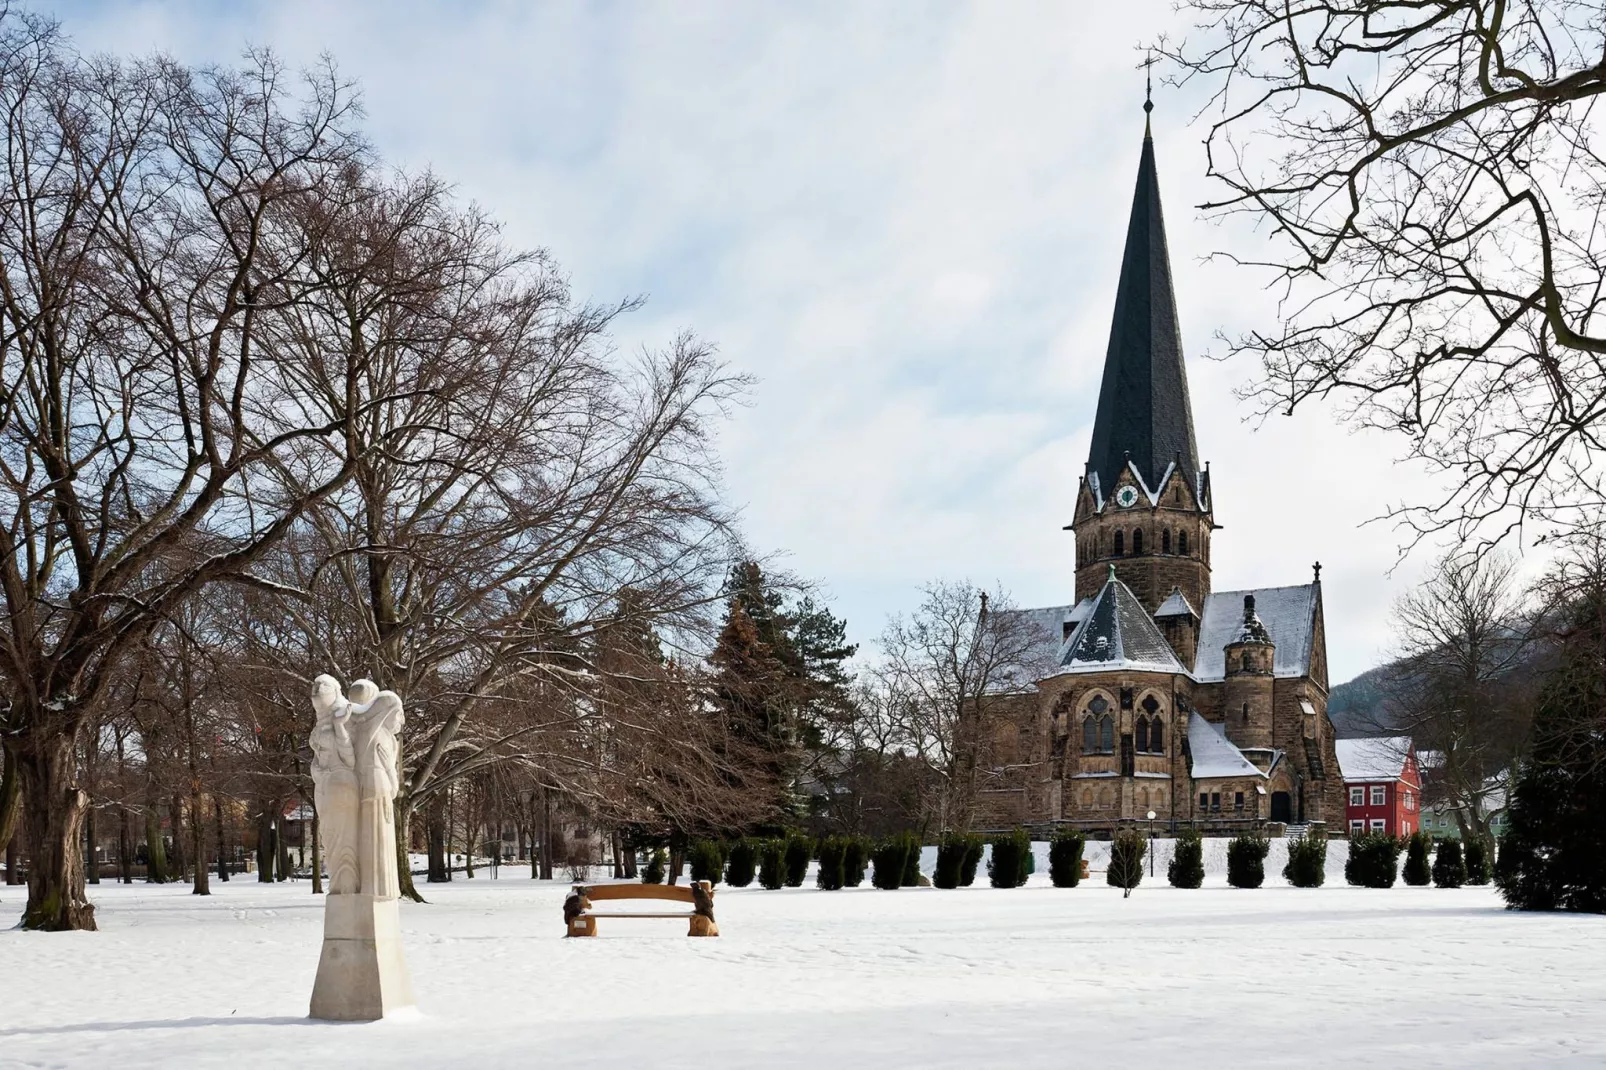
pixel 1143 411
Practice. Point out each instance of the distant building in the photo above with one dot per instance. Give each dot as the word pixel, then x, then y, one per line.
pixel 1382 785
pixel 1208 708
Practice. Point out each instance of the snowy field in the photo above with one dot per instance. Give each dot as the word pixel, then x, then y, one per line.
pixel 1029 977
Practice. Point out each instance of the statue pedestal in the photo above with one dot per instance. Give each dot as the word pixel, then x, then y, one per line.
pixel 362 975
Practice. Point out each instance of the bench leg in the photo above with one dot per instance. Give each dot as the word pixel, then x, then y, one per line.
pixel 701 926
pixel 583 926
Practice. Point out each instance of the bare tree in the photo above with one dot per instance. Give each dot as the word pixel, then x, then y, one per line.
pixel 961 651
pixel 154 225
pixel 1428 172
pixel 1460 687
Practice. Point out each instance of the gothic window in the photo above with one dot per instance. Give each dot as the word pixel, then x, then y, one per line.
pixel 1165 541
pixel 1143 734
pixel 1176 494
pixel 1120 543
pixel 1150 706
pixel 1157 737
pixel 1137 542
pixel 1246 713
pixel 1107 735
pixel 1182 542
pixel 1098 705
pixel 1143 798
pixel 1090 736
pixel 1244 661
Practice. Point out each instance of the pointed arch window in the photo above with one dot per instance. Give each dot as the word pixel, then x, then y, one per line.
pixel 1244 662
pixel 1157 737
pixel 1090 736
pixel 1107 735
pixel 1120 543
pixel 1137 542
pixel 1165 541
pixel 1143 734
pixel 1182 542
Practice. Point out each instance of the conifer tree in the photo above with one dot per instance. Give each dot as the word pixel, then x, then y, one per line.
pixel 1065 858
pixel 772 864
pixel 1307 861
pixel 1449 870
pixel 1186 869
pixel 1417 872
pixel 799 849
pixel 1126 860
pixel 742 866
pixel 1246 860
pixel 1477 856
pixel 653 872
pixel 855 860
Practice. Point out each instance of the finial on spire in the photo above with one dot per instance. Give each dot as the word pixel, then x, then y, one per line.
pixel 1148 91
pixel 1318 570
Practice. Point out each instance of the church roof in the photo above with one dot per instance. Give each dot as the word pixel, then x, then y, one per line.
pixel 1288 615
pixel 1143 412
pixel 1213 754
pixel 1176 605
pixel 1376 758
pixel 1116 632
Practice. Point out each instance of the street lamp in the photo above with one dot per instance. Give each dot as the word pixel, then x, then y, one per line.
pixel 1151 844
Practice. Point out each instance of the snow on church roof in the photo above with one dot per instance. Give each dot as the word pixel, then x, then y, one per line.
pixel 1176 605
pixel 1213 754
pixel 1289 614
pixel 1118 633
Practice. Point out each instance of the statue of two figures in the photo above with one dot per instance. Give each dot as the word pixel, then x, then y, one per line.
pixel 355 751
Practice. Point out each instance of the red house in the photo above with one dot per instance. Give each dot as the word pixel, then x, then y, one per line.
pixel 1383 786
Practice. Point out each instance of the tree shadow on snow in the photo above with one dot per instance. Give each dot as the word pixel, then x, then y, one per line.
pixel 164 1023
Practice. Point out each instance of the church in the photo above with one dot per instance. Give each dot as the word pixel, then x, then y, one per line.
pixel 1153 692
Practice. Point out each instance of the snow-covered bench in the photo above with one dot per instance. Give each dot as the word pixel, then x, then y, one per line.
pixel 581 919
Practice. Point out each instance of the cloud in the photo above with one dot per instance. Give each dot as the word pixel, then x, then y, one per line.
pixel 906 220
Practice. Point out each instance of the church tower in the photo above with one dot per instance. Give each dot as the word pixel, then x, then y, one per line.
pixel 1144 502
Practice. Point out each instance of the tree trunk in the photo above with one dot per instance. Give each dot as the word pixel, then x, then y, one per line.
pixel 10 804
pixel 547 851
pixel 267 850
pixel 203 885
pixel 630 860
pixel 91 856
pixel 222 854
pixel 176 860
pixel 404 846
pixel 155 849
pixel 125 847
pixel 53 822
pixel 284 847
pixel 14 858
pixel 435 828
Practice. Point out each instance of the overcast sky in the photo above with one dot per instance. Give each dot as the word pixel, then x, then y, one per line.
pixel 905 219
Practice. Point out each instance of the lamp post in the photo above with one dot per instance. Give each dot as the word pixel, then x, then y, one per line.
pixel 1151 844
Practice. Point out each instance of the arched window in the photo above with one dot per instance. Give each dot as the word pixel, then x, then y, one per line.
pixel 1244 661
pixel 1165 541
pixel 1246 713
pixel 1137 542
pixel 1143 734
pixel 1176 494
pixel 1120 540
pixel 1143 798
pixel 1182 542
pixel 1157 737
pixel 1090 736
pixel 1087 798
pixel 1104 798
pixel 1107 734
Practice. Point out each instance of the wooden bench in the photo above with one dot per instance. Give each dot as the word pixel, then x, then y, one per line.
pixel 581 919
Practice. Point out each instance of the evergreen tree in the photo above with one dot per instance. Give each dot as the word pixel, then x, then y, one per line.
pixel 855 859
pixel 1374 860
pixel 891 856
pixel 1065 858
pixel 707 860
pixel 653 871
pixel 1246 860
pixel 772 864
pixel 1186 869
pixel 951 853
pixel 1011 859
pixel 1477 856
pixel 911 861
pixel 1126 860
pixel 742 865
pixel 799 849
pixel 1449 870
pixel 972 862
pixel 832 852
pixel 1417 871
pixel 1307 861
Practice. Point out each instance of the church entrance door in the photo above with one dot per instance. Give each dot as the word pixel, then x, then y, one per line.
pixel 1281 807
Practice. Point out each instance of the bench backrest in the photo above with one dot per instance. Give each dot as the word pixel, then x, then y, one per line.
pixel 603 892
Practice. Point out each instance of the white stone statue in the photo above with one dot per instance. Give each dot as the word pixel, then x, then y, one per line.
pixel 361 973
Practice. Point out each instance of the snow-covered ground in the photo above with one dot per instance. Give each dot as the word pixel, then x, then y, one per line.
pixel 1037 976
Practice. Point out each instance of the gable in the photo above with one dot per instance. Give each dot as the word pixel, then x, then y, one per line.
pixel 1289 614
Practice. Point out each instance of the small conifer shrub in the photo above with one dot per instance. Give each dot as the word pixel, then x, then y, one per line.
pixel 1126 860
pixel 891 855
pixel 657 865
pixel 799 849
pixel 1307 861
pixel 1374 859
pixel 951 852
pixel 742 866
pixel 1186 869
pixel 1065 858
pixel 855 860
pixel 832 851
pixel 772 864
pixel 1449 868
pixel 972 862
pixel 911 860
pixel 1008 866
pixel 707 860
pixel 1417 873
pixel 1246 860
pixel 1477 856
